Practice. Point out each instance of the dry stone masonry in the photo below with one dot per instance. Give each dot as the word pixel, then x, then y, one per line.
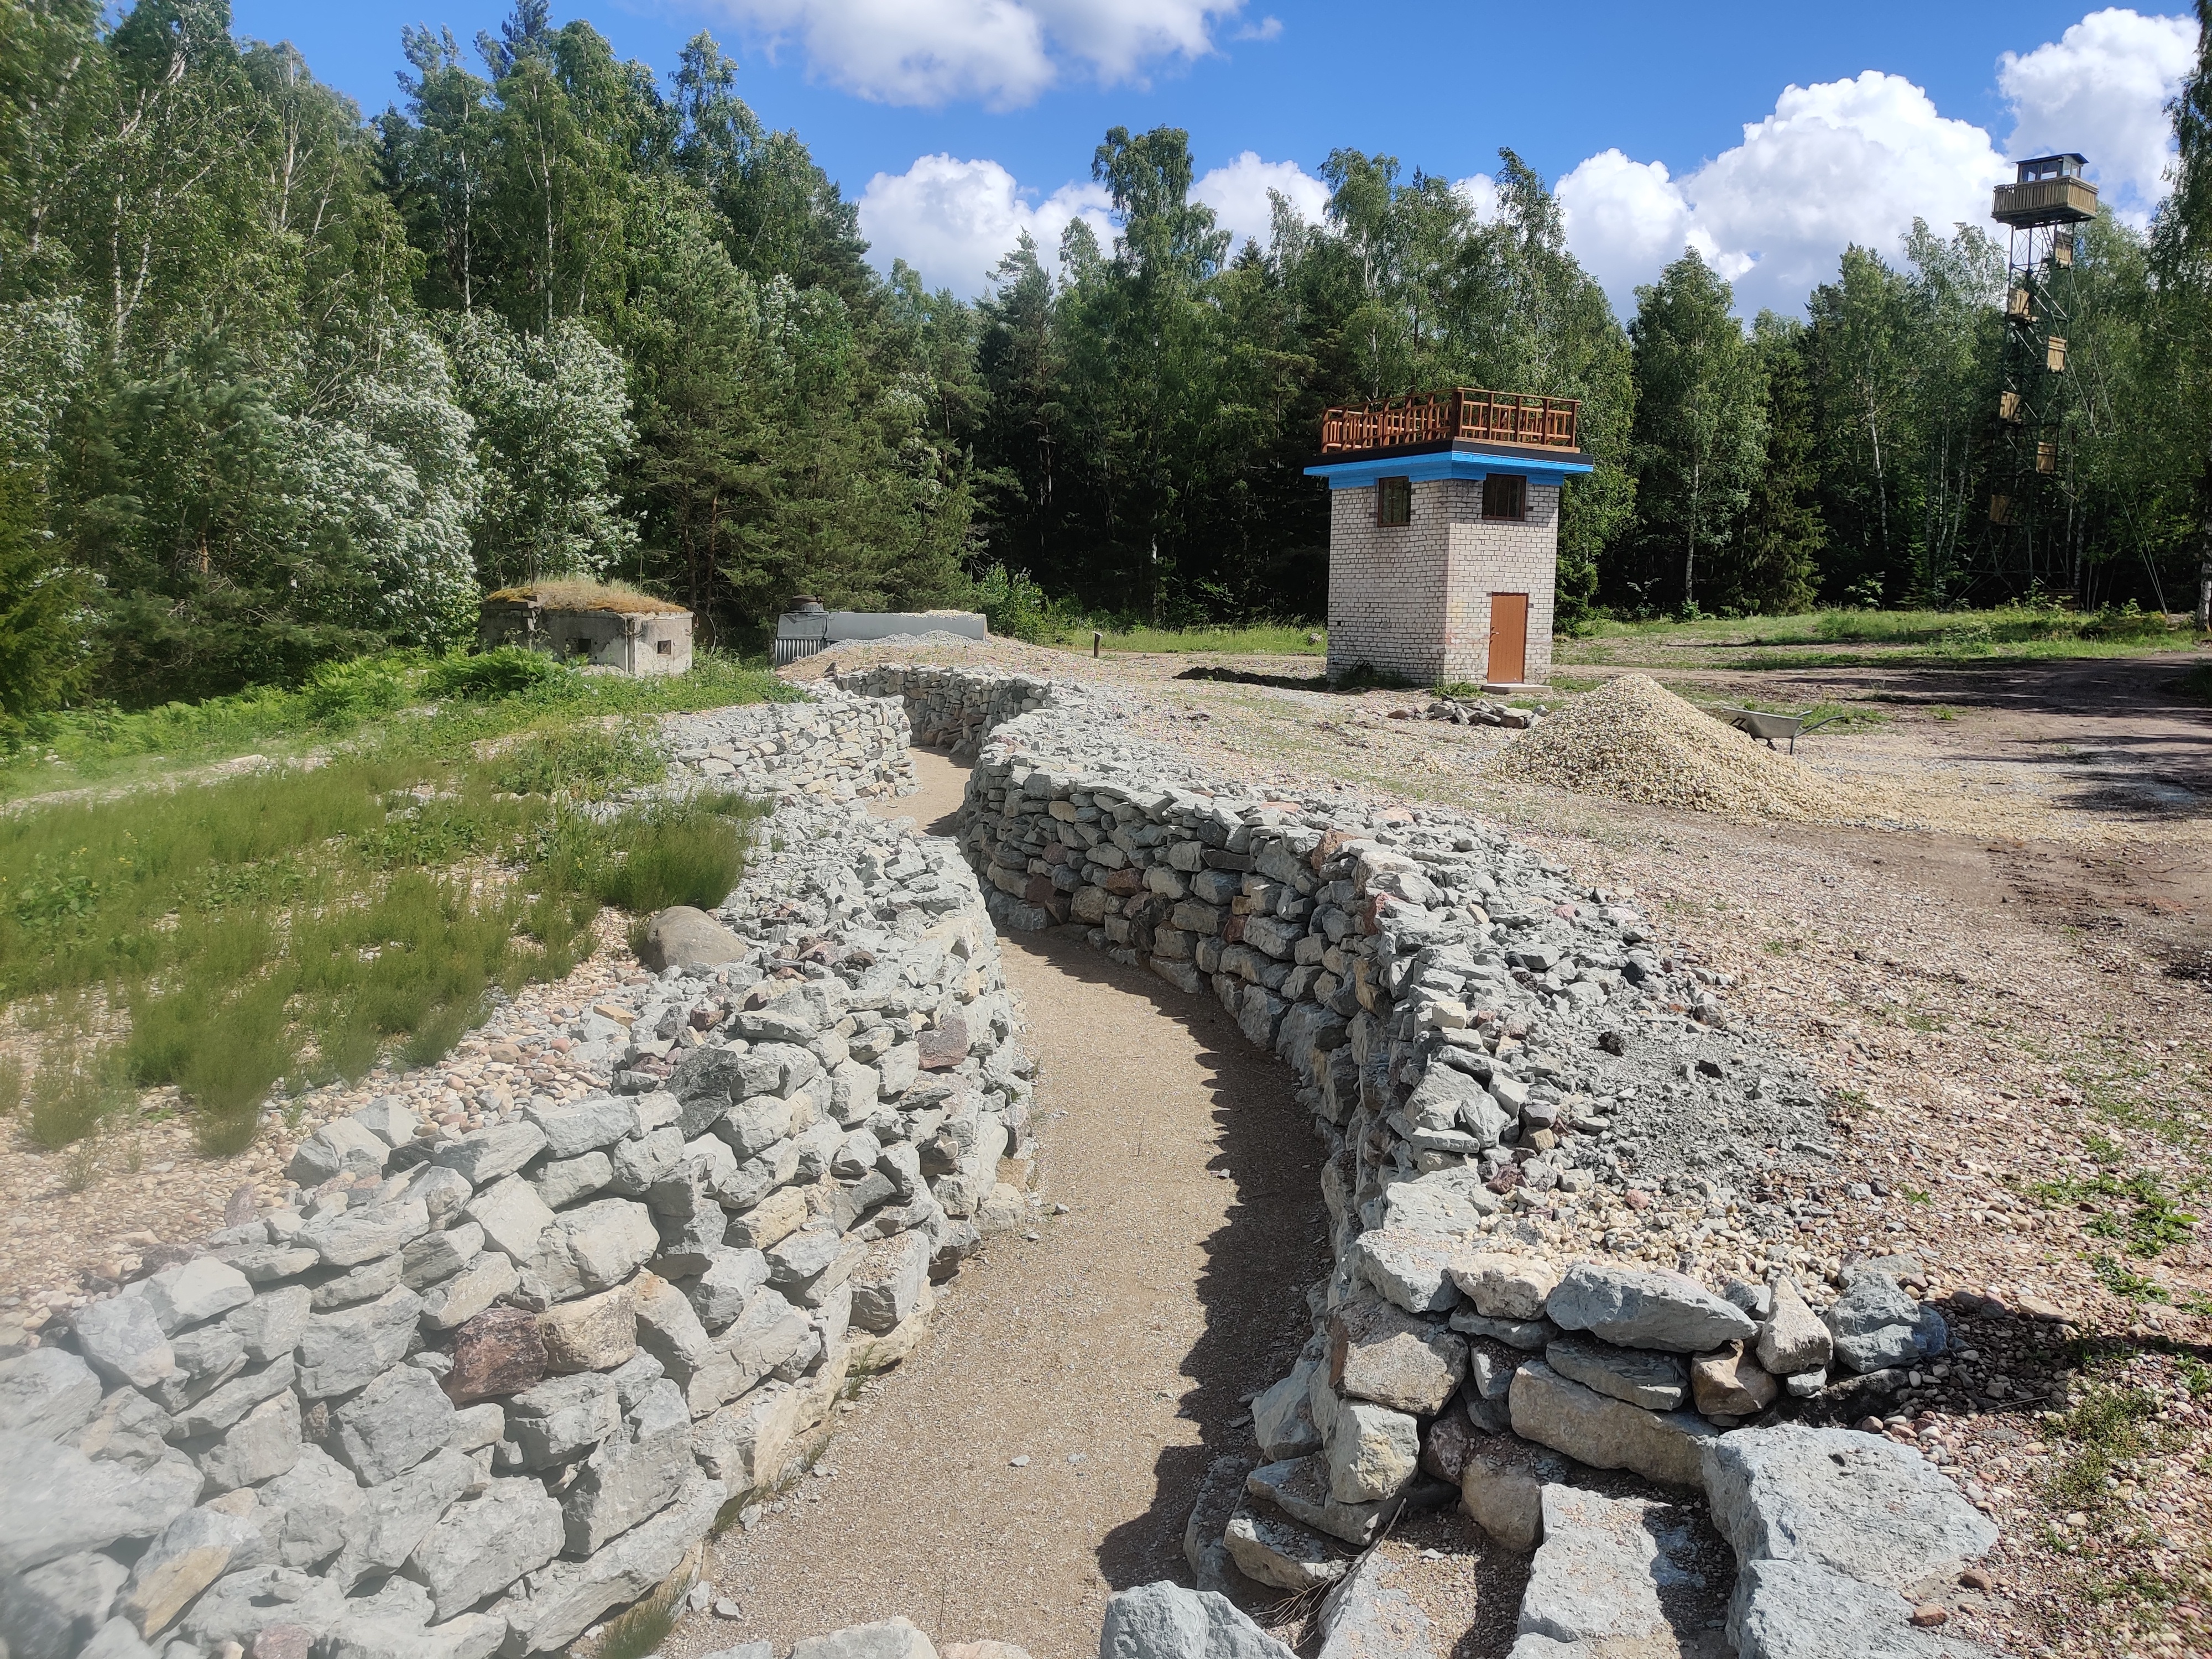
pixel 1484 1046
pixel 470 1390
pixel 486 1376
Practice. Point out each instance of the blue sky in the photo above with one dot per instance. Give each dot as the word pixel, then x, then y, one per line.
pixel 1638 112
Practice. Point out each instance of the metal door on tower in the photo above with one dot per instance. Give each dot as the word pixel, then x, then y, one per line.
pixel 1509 639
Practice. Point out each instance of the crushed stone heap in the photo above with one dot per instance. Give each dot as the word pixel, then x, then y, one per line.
pixel 1635 740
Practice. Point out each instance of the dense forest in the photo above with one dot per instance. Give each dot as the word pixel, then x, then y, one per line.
pixel 278 383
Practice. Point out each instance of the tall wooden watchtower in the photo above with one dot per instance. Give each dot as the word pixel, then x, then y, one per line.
pixel 2040 210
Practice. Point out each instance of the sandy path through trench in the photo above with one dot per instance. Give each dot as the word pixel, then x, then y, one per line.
pixel 1164 1294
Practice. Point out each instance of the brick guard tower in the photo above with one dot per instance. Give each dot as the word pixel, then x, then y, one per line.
pixel 1444 533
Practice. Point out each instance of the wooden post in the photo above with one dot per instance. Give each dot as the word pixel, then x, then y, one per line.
pixel 1096 636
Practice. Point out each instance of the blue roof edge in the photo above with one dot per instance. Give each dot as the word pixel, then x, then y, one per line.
pixel 1449 463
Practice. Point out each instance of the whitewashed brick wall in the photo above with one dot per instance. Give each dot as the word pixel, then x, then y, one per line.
pixel 1413 601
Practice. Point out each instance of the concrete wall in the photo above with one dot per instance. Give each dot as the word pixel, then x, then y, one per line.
pixel 631 642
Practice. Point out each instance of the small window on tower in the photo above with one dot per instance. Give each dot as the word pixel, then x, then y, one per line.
pixel 665 647
pixel 1504 497
pixel 1393 502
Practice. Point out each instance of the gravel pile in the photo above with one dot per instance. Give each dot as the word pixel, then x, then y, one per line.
pixel 1635 740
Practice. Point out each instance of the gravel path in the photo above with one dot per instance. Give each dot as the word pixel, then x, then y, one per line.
pixel 1170 1289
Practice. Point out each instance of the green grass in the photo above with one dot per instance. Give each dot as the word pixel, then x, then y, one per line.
pixel 499 691
pixel 2136 1209
pixel 642 1628
pixel 2108 1426
pixel 1260 640
pixel 1956 638
pixel 299 924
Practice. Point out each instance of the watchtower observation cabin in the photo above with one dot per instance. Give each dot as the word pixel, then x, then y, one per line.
pixel 1444 533
pixel 2039 210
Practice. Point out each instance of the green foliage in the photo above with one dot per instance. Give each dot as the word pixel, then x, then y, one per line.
pixel 580 763
pixel 640 1630
pixel 691 853
pixel 301 922
pixel 73 1091
pixel 1700 435
pixel 507 672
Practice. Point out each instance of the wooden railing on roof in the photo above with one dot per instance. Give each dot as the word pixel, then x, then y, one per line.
pixel 1435 417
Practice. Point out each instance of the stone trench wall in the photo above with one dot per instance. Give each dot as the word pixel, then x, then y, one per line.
pixel 1484 1046
pixel 466 1394
pixel 834 746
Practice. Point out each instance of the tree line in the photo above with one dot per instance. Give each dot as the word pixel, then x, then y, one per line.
pixel 279 385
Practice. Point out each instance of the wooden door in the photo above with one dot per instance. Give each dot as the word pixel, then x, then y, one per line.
pixel 1508 638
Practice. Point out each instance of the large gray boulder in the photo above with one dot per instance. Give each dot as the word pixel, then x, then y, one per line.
pixel 490 1154
pixel 387 1523
pixel 186 1557
pixel 342 1148
pixel 1166 1621
pixel 1410 1269
pixel 50 1612
pixel 1598 1577
pixel 580 1126
pixel 637 1472
pixel 367 1233
pixel 483 1545
pixel 1634 1308
pixel 563 1418
pixel 682 937
pixel 59 1502
pixel 124 1338
pixel 1795 1610
pixel 262 1445
pixel 309 1505
pixel 1379 1353
pixel 214 1412
pixel 1656 1382
pixel 556 1603
pixel 344 1350
pixel 392 1424
pixel 1365 1617
pixel 1270 1549
pixel 1854 1503
pixel 48 1393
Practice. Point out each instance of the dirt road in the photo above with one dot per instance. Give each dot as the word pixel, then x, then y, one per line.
pixel 1170 1288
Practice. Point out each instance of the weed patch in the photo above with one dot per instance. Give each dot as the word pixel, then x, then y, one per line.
pixel 2107 1427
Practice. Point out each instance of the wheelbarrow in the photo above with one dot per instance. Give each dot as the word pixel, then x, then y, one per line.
pixel 1766 727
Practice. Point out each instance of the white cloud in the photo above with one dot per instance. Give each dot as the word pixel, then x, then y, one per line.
pixel 999 53
pixel 1839 162
pixel 1857 161
pixel 1237 194
pixel 2102 88
pixel 954 221
pixel 1480 191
